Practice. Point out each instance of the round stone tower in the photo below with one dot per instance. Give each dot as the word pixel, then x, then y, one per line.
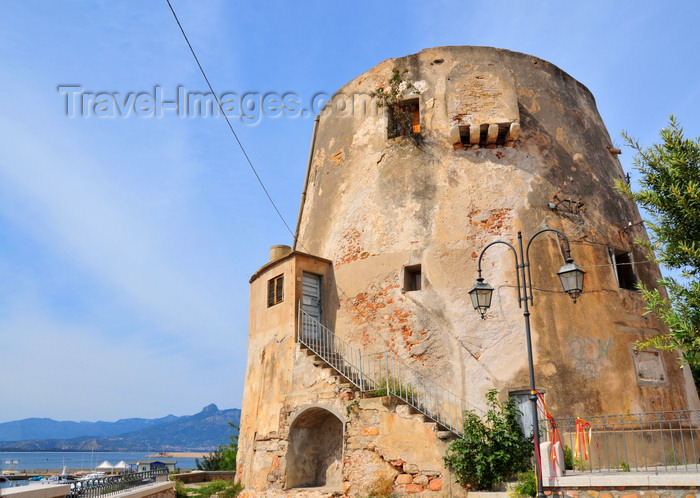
pixel 364 349
pixel 499 142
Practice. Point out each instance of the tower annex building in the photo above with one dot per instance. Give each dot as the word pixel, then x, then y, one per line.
pixel 373 296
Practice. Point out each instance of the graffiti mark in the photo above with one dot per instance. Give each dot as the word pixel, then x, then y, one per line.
pixel 586 354
pixel 603 350
pixel 587 348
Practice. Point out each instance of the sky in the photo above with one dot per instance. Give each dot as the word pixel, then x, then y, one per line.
pixel 129 231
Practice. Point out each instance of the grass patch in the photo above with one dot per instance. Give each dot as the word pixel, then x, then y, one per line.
pixel 221 488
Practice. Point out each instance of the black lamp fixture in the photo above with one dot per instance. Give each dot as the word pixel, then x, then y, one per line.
pixel 481 296
pixel 571 277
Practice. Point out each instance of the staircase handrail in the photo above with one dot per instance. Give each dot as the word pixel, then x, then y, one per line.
pixel 383 374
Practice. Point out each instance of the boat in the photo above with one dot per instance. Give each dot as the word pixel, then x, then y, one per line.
pixel 62 478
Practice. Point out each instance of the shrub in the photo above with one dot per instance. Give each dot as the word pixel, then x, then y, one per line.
pixel 223 458
pixel 180 490
pixel 396 388
pixel 568 458
pixel 526 485
pixel 493 449
pixel 224 489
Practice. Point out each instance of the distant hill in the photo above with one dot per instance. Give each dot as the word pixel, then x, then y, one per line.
pixel 204 431
pixel 46 428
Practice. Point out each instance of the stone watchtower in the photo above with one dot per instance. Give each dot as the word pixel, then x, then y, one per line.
pixel 374 293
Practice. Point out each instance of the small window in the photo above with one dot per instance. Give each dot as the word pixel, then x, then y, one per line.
pixel 412 280
pixel 275 290
pixel 624 268
pixel 404 119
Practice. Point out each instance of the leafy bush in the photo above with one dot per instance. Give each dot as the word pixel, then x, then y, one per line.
pixel 391 98
pixel 493 449
pixel 568 458
pixel 180 490
pixel 526 485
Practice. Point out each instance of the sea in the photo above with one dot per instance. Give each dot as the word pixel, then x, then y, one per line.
pixel 73 460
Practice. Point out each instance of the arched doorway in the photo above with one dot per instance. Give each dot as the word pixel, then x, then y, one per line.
pixel 315 453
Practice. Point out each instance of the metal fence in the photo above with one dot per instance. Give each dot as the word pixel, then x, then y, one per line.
pixel 110 485
pixel 383 375
pixel 652 442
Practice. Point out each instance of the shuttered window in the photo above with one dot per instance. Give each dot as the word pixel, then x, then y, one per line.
pixel 275 290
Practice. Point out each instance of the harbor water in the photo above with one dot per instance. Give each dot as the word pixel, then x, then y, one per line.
pixel 74 461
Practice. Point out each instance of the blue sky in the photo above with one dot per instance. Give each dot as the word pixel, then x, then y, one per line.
pixel 127 242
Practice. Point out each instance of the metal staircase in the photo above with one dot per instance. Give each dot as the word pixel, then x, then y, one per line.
pixel 381 374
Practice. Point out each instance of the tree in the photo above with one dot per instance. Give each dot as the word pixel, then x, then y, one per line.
pixel 493 449
pixel 670 193
pixel 224 457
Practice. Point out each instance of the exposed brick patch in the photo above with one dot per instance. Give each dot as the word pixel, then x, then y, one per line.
pixel 435 484
pixel 370 431
pixel 351 248
pixel 414 488
pixel 494 221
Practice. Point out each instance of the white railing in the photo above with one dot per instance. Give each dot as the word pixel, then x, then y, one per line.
pixel 383 375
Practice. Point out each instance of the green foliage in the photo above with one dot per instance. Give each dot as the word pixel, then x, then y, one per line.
pixel 493 449
pixel 568 458
pixel 572 462
pixel 396 388
pixel 579 463
pixel 526 485
pixel 223 489
pixel 624 467
pixel 670 192
pixel 180 490
pixel 224 457
pixel 391 98
pixel 352 406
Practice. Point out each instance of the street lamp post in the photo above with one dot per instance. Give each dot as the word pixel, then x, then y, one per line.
pixel 571 277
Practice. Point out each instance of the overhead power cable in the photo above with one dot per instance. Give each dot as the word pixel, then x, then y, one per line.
pixel 218 103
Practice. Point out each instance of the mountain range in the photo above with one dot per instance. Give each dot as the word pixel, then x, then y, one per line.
pixel 204 431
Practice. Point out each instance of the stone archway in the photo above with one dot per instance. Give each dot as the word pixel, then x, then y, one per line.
pixel 315 453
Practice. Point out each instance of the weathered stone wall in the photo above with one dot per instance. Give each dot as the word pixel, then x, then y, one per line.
pixel 384 445
pixel 375 206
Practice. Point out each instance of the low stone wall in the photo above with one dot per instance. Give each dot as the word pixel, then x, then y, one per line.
pixel 626 485
pixel 37 491
pixel 155 490
pixel 204 476
pixel 623 492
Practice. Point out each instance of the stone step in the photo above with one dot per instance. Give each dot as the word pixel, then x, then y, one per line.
pixel 489 494
pixel 445 435
pixel 420 417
